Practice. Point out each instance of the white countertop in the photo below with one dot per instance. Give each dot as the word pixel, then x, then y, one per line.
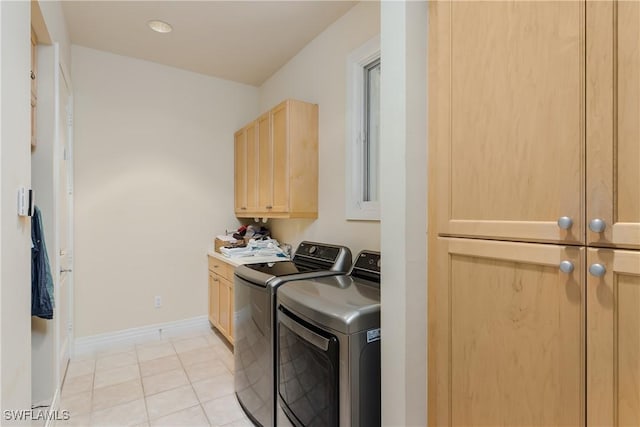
pixel 246 260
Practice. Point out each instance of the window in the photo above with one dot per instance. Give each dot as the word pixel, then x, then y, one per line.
pixel 363 132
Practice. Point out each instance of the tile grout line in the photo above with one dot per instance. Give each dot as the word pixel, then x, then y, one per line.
pixel 183 367
pixel 144 397
pixel 192 388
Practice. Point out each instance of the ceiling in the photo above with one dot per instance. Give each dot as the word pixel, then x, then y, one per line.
pixel 243 41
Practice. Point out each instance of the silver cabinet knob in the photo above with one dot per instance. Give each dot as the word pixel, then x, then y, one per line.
pixel 597 270
pixel 597 225
pixel 566 266
pixel 565 223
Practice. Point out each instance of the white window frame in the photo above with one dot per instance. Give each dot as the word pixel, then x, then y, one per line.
pixel 356 207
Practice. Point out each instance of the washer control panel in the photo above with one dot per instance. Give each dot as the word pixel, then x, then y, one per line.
pixel 367 266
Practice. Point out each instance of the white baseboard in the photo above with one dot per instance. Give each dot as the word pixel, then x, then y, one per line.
pixel 126 337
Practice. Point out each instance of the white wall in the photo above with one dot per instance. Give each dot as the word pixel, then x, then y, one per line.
pixel 153 185
pixel 15 231
pixel 403 167
pixel 318 74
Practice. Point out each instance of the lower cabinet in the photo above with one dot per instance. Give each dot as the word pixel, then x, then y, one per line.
pixel 221 297
pixel 226 308
pixel 214 299
pixel 533 334
pixel 507 327
pixel 613 338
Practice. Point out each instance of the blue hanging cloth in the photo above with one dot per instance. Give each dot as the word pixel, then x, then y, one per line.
pixel 41 279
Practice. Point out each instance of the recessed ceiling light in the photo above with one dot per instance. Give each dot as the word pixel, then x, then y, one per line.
pixel 159 26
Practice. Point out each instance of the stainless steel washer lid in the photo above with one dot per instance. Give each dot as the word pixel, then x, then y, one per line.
pixel 342 303
pixel 312 259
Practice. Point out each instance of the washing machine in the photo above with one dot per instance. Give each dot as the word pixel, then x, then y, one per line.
pixel 328 348
pixel 255 298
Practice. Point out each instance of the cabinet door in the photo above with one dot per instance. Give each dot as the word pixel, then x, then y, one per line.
pixel 265 163
pixel 613 338
pixel 613 123
pixel 506 333
pixel 225 313
pixel 280 141
pixel 507 117
pixel 214 299
pixel 231 313
pixel 252 167
pixel 240 171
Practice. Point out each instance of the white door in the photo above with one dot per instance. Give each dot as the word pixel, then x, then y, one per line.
pixel 64 208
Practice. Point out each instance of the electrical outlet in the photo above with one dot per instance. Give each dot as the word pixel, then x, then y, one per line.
pixel 157 302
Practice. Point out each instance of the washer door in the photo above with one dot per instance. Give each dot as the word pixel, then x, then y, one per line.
pixel 308 382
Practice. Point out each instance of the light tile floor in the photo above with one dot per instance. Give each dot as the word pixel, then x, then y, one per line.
pixel 180 381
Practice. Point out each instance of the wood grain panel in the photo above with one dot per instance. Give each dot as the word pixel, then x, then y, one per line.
pixel 214 299
pixel 265 162
pixel 240 171
pixel 252 166
pixel 438 393
pixel 303 157
pixel 510 96
pixel 280 141
pixel 509 338
pixel 435 388
pixel 628 96
pixel 231 336
pixel 613 122
pixel 613 339
pixel 628 350
pixel 225 307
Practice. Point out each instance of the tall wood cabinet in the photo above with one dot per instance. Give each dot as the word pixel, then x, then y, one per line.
pixel 534 266
pixel 276 160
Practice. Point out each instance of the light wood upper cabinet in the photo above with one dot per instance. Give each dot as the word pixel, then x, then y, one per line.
pixel 246 168
pixel 506 334
pixel 265 161
pixel 252 166
pixel 507 118
pixel 240 170
pixel 613 123
pixel 280 156
pixel 287 163
pixel 613 338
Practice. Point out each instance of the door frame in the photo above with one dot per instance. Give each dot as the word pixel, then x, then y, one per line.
pixel 61 77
